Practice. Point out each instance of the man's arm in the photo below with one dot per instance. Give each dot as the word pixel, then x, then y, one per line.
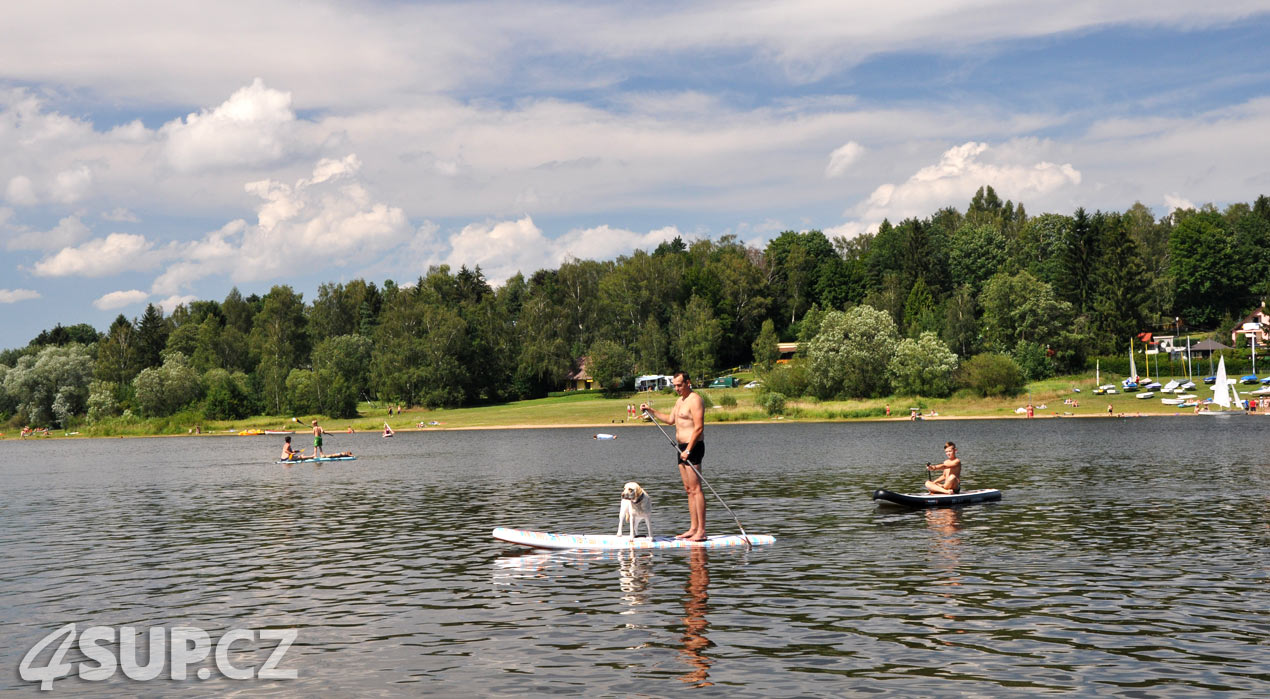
pixel 697 413
pixel 646 408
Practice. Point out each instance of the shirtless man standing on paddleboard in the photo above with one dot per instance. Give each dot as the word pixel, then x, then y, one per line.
pixel 688 416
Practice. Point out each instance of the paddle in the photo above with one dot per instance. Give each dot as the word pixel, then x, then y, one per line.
pixel 927 478
pixel 697 471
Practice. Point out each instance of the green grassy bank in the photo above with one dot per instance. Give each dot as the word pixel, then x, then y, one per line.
pixel 595 410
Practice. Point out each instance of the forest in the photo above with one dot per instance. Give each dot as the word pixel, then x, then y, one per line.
pixel 984 300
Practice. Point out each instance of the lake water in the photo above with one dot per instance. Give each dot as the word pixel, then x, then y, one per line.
pixel 1128 557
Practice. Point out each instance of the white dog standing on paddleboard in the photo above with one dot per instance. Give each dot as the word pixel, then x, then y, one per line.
pixel 637 507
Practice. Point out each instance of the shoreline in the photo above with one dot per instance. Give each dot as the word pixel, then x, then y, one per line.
pixel 8 437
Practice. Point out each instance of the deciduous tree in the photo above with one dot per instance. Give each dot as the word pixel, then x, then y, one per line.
pixel 765 350
pixel 695 335
pixel 849 355
pixel 611 366
pixel 922 366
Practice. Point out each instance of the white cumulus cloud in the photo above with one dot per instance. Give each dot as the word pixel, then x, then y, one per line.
pixel 170 303
pixel 119 299
pixel 214 254
pixel 255 126
pixel 120 215
pixel 327 220
pixel 117 252
pixel 503 248
pixel 843 158
pixel 68 231
pixel 69 186
pixel 20 191
pixel 962 170
pixel 1173 202
pixel 16 295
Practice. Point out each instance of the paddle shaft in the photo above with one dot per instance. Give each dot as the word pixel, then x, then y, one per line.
pixel 701 478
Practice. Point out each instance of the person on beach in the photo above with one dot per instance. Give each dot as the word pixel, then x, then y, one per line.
pixel 318 433
pixel 289 454
pixel 949 482
pixel 688 416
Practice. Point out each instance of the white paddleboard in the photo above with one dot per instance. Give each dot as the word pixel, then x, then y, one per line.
pixel 608 542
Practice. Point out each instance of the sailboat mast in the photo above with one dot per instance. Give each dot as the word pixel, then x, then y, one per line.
pixel 1133 367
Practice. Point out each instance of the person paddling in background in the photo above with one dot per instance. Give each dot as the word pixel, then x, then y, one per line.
pixel 289 454
pixel 318 433
pixel 688 416
pixel 949 482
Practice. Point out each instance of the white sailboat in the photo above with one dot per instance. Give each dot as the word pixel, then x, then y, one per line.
pixel 1221 392
pixel 1131 383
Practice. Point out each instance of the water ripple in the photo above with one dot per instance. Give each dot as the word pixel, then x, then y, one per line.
pixel 1112 566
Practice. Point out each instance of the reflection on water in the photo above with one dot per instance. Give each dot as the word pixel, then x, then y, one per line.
pixel 1126 558
pixel 696 606
pixel 635 568
pixel 945 524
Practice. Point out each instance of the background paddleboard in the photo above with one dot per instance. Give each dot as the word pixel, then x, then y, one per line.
pixel 932 500
pixel 605 542
pixel 318 460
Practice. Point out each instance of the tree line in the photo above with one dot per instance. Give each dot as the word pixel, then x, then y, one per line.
pixel 913 308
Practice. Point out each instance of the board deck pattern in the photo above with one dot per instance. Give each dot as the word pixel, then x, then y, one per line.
pixel 932 500
pixel 548 540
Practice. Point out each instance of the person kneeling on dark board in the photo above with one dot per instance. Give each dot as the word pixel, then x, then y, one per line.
pixel 949 482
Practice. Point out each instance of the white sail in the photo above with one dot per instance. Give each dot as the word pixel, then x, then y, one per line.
pixel 1133 368
pixel 1221 389
pixel 1097 372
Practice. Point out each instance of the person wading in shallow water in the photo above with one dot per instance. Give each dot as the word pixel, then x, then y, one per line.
pixel 688 416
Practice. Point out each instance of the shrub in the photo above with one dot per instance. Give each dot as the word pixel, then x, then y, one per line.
pixel 727 401
pixel 992 375
pixel 736 416
pixel 1033 361
pixel 101 400
pixel 228 395
pixel 789 379
pixel 773 402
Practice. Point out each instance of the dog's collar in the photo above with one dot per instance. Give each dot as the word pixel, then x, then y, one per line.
pixel 641 497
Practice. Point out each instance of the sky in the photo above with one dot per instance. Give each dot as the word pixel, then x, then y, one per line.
pixel 159 152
